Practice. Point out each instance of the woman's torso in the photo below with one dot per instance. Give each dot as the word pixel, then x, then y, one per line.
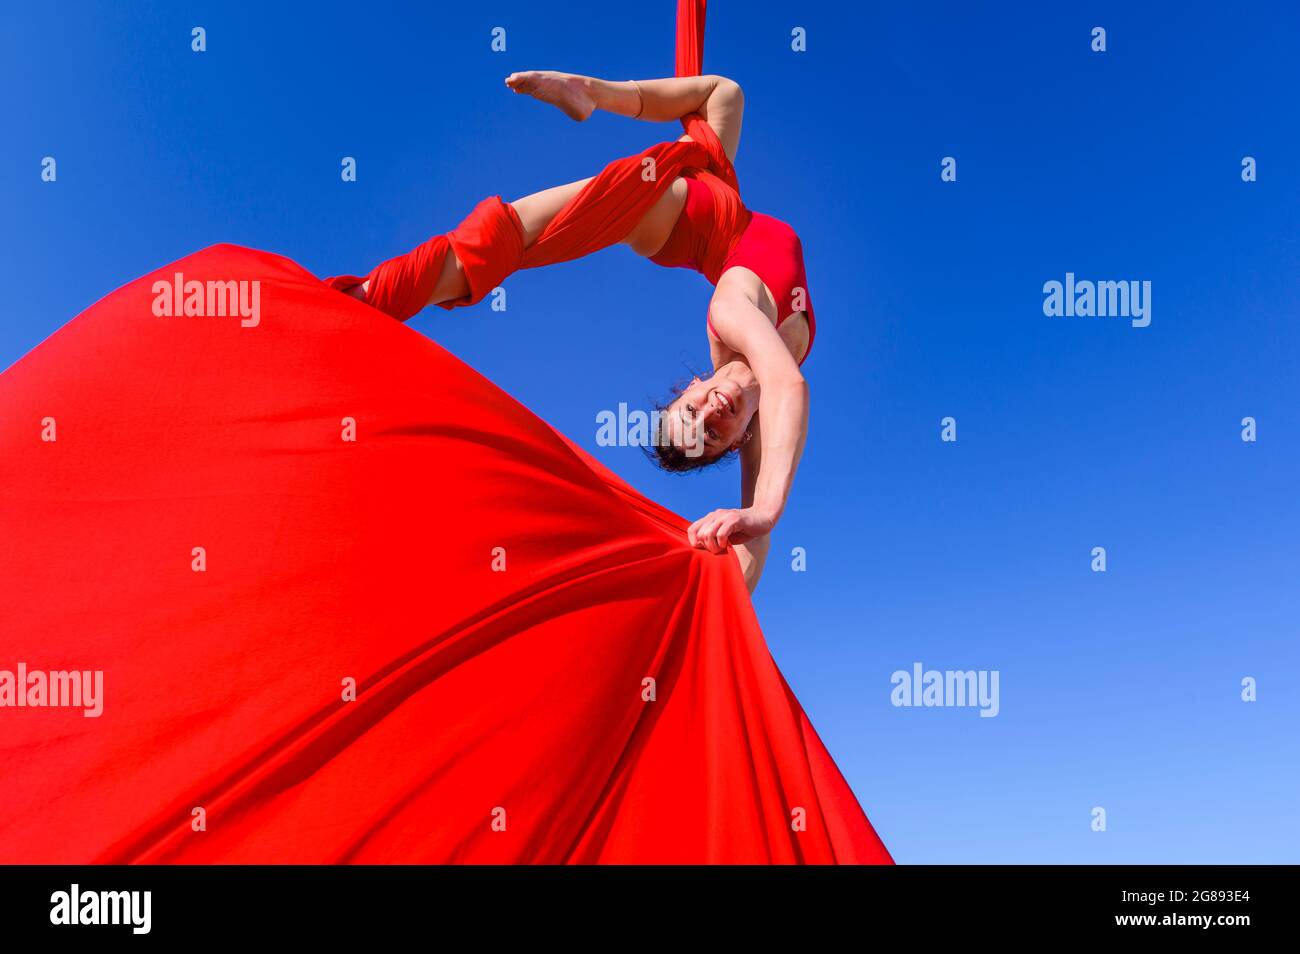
pixel 675 234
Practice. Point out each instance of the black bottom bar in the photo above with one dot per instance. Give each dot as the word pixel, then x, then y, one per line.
pixel 1175 903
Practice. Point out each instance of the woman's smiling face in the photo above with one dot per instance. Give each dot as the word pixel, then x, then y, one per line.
pixel 710 417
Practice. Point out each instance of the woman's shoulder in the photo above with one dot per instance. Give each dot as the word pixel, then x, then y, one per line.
pixel 741 281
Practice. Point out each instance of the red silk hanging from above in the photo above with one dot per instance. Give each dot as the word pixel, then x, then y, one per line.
pixel 690 37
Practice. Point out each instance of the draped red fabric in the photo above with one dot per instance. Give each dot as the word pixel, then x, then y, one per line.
pixel 488 243
pixel 349 602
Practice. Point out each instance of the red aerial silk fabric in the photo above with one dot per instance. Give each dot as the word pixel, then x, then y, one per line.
pixel 481 694
pixel 690 37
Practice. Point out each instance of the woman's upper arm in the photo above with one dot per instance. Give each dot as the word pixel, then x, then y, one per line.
pixel 741 325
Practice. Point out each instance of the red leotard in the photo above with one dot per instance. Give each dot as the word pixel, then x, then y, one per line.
pixel 766 246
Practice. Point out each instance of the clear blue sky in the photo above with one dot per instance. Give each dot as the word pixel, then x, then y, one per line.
pixel 1118 690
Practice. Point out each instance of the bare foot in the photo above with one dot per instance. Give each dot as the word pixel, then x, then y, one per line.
pixel 564 90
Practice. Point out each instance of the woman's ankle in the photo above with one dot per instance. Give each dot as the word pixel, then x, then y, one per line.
pixel 614 96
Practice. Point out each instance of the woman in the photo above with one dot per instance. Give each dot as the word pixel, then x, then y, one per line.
pixel 760 323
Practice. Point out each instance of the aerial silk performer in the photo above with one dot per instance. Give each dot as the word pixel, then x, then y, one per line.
pixel 678 204
pixel 287 582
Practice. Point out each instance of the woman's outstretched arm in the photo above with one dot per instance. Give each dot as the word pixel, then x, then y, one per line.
pixel 719 100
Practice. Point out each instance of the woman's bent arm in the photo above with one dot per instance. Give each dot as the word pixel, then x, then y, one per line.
pixel 783 411
pixel 783 403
